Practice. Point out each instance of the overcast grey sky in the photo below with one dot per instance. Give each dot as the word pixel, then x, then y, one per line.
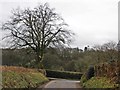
pixel 93 21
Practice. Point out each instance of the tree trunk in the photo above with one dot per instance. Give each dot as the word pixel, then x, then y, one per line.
pixel 39 60
pixel 39 63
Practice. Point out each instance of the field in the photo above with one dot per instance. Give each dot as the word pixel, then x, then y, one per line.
pixel 19 77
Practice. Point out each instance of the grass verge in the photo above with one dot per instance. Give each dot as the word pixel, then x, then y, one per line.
pixel 19 77
pixel 99 82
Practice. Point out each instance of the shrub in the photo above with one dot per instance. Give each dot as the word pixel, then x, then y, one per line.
pixel 90 72
pixel 63 74
pixel 86 76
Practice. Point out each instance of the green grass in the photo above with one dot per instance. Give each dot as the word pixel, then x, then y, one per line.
pixel 83 78
pixel 13 79
pixel 99 82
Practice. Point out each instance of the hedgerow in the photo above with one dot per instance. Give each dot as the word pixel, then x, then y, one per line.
pixel 63 74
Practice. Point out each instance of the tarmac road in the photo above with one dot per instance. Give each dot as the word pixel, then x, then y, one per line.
pixel 62 84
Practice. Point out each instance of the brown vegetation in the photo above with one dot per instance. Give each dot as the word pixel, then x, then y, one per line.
pixel 16 69
pixel 110 70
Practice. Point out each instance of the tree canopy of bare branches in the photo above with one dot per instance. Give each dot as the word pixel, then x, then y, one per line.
pixel 107 46
pixel 37 28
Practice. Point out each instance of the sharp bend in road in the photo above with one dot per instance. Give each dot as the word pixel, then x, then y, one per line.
pixel 63 84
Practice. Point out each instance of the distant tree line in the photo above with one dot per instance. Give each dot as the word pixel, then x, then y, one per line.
pixel 64 59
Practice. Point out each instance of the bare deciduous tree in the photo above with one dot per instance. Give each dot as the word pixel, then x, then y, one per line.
pixel 37 28
pixel 110 46
pixel 107 50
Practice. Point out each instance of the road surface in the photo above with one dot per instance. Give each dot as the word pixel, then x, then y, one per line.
pixel 61 84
